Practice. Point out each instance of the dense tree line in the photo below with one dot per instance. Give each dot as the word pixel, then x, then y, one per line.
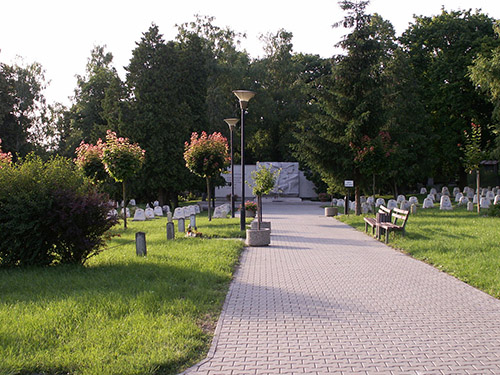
pixel 388 112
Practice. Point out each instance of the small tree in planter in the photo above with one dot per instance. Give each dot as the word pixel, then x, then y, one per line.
pixel 264 179
pixel 207 156
pixel 122 160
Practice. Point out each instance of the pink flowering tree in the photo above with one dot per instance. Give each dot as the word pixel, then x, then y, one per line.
pixel 207 156
pixel 89 159
pixel 5 157
pixel 122 160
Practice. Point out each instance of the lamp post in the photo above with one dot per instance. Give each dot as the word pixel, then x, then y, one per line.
pixel 231 122
pixel 244 97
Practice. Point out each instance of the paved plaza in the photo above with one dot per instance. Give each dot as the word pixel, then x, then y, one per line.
pixel 324 298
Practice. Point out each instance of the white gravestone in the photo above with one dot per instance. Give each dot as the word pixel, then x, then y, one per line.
pixel 222 211
pixel 445 191
pixel 463 201
pixel 352 206
pixel 445 203
pixel 370 201
pixel 401 198
pixel 158 211
pixel 334 202
pixel 380 202
pixel 197 209
pixel 490 195
pixel 428 203
pixel 127 211
pixel 405 205
pixel 150 213
pixel 156 204
pixel 485 202
pixel 112 213
pixel 456 190
pixel 474 200
pixel 458 196
pixel 470 206
pixel 392 204
pixel 432 197
pixel 165 209
pixel 413 200
pixel 433 191
pixel 178 213
pixel 365 208
pixel 497 199
pixel 139 215
pixel 423 191
pixel 340 203
pixel 470 194
pixel 132 202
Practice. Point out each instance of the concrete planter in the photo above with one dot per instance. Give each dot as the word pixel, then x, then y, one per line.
pixel 257 237
pixel 249 213
pixel 331 211
pixel 264 225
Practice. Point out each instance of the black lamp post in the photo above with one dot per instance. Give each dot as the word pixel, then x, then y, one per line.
pixel 232 122
pixel 244 97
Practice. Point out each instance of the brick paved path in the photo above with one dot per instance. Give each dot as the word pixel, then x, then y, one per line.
pixel 325 298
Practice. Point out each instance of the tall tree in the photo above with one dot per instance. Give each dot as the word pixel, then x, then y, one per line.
pixel 349 106
pixel 440 49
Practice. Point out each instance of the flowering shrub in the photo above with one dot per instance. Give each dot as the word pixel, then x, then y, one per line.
pixel 121 159
pixel 5 157
pixel 207 155
pixel 89 159
pixel 250 206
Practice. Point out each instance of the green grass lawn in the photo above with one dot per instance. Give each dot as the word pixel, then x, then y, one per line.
pixel 120 314
pixel 458 242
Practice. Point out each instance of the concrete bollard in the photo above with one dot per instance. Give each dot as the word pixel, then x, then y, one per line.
pixel 140 244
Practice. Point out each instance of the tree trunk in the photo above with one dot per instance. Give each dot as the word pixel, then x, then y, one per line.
pixel 124 206
pixel 478 188
pixel 209 196
pixel 357 199
pixel 259 211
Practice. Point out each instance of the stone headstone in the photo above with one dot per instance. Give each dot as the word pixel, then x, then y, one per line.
pixel 431 196
pixel 413 209
pixel 192 221
pixel 485 202
pixel 170 231
pixel 470 206
pixel 474 200
pixel 132 202
pixel 463 201
pixel 150 213
pixel 438 196
pixel 178 213
pixel 401 198
pixel 156 204
pixel 158 211
pixel 365 208
pixel 445 191
pixel 458 196
pixel 483 192
pixel 392 204
pixel 423 191
pixel 413 200
pixel 370 200
pixel 433 191
pixel 222 211
pixel 362 199
pixel 380 202
pixel 181 226
pixel 169 217
pixel 147 205
pixel 122 204
pixel 197 209
pixel 165 209
pixel 139 215
pixel 470 194
pixel 428 203
pixel 497 199
pixel 456 190
pixel 127 210
pixel 352 206
pixel 340 202
pixel 334 201
pixel 405 205
pixel 490 195
pixel 112 213
pixel 140 244
pixel 445 203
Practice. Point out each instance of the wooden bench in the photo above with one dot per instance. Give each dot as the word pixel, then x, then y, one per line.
pixel 393 226
pixel 372 221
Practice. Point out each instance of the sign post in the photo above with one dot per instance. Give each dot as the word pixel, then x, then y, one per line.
pixel 348 184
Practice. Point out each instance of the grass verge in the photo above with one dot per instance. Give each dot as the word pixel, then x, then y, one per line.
pixel 458 242
pixel 120 314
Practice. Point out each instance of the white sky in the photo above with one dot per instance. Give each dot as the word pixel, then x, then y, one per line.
pixel 60 34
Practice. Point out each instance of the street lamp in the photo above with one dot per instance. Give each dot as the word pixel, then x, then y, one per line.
pixel 232 122
pixel 244 97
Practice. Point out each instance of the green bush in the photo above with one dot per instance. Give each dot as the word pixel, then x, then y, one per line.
pixel 494 210
pixel 49 213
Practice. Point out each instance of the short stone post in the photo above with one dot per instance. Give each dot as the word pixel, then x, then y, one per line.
pixel 413 209
pixel 170 231
pixel 140 244
pixel 192 221
pixel 470 206
pixel 181 226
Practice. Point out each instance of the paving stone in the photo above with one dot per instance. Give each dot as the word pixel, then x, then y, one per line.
pixel 324 298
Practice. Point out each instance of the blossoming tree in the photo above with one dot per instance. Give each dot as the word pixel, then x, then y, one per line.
pixel 207 156
pixel 89 159
pixel 122 160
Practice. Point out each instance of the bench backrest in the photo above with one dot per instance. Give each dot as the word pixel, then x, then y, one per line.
pixel 384 210
pixel 400 214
